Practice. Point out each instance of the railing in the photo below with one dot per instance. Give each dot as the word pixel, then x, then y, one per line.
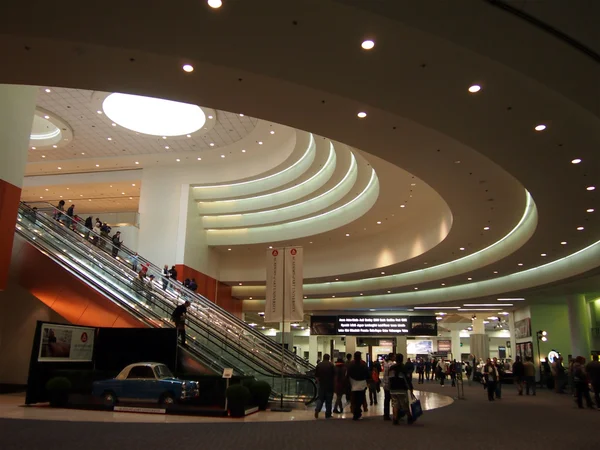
pixel 205 327
pixel 292 362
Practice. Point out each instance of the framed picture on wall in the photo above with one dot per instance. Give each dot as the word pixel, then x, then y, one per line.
pixel 528 350
pixel 523 328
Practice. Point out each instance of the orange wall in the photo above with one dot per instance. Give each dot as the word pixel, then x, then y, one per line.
pixel 9 205
pixel 214 290
pixel 65 293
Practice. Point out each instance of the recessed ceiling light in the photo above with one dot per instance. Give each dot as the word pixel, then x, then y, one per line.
pixel 46 189
pixel 563 243
pixel 97 165
pixel 189 135
pixel 462 249
pixel 122 193
pixel 416 289
pixel 270 246
pixel 389 292
pixel 167 147
pixel 212 144
pixel 519 264
pixel 60 196
pixel 495 271
pixel 580 228
pixel 188 68
pixel 333 296
pixel 241 115
pixel 137 162
pixel 379 222
pixel 590 210
pixel 470 279
pixel 164 137
pixel 210 117
pixel 474 88
pixel 543 254
pixel 99 112
pixel 55 146
pixel 402 206
pixel 46 117
pixel 81 195
pixel 310 242
pixel 83 153
pixel 590 188
pixel 215 3
pixel 361 293
pixel 362 115
pixel 222 156
pixel 178 160
pixel 59 168
pixel 114 124
pixel 382 273
pixel 413 184
pixel 243 151
pixel 457 161
pixel 32 148
pixel 486 228
pixel 228 249
pixel 347 234
pixel 260 143
pixel 48 90
pixel 576 161
pixel 41 197
pixel 368 44
pixel 109 139
pixel 133 184
pixel 272 132
pixel 199 159
pixel 540 127
pixel 250 298
pixel 130 198
pixel 43 156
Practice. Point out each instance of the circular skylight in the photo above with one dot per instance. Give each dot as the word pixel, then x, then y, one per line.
pixel 153 116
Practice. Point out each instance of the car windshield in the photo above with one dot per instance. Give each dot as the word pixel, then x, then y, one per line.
pixel 163 371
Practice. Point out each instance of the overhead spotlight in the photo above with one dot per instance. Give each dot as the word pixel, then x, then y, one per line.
pixel 590 210
pixel 222 156
pixel 272 132
pixel 540 127
pixel 46 117
pixel 55 146
pixel 178 160
pixel 114 124
pixel 48 90
pixel 563 243
pixel 189 135
pixel 109 139
pixel 486 228
pixel 260 143
pixel 347 234
pixel 590 188
pixel 474 88
pixel 210 117
pixel 379 222
pixel 97 165
pixel 215 3
pixel 462 249
pixel 243 151
pixel 580 228
pixel 167 147
pixel 32 148
pixel 212 144
pixel 241 115
pixel 368 44
pixel 188 68
pixel 199 159
pixel 137 162
pixel 576 161
pixel 362 115
pixel 99 112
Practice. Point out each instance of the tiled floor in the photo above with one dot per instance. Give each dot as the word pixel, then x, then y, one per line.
pixel 12 407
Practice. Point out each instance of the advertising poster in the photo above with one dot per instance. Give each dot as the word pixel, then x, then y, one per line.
pixel 66 343
pixel 294 279
pixel 274 294
pixel 523 328
pixel 417 347
pixel 444 345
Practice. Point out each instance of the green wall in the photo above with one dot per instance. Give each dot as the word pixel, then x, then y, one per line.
pixel 555 320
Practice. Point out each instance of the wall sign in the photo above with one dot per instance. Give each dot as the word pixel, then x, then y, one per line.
pixel 444 345
pixel 523 328
pixel 66 343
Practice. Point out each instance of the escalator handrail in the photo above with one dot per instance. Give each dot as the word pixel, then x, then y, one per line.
pixel 179 287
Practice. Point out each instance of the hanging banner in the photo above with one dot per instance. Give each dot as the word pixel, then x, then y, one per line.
pixel 66 343
pixel 274 297
pixel 294 279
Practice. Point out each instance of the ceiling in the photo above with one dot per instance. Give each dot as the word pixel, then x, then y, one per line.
pixel 478 151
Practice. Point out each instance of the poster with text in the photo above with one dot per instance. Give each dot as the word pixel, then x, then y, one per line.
pixel 293 282
pixel 417 347
pixel 66 343
pixel 274 293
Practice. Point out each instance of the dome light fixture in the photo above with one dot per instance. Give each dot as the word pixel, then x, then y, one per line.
pixel 474 88
pixel 188 68
pixel 367 44
pixel 563 243
pixel 576 161
pixel 580 228
pixel 540 127
pixel 362 115
pixel 215 4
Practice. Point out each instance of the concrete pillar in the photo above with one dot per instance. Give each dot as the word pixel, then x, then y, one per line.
pixel 401 345
pixel 513 340
pixel 350 344
pixel 313 349
pixel 579 326
pixel 17 107
pixel 480 344
pixel 455 336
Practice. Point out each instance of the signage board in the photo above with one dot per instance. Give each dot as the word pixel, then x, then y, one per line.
pixel 444 345
pixel 373 325
pixel 523 328
pixel 66 343
pixel 419 347
pixel 227 373
pixel 274 293
pixel 293 282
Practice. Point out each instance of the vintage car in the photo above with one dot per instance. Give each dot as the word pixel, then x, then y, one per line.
pixel 145 382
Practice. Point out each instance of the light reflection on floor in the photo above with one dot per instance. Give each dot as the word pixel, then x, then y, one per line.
pixel 12 407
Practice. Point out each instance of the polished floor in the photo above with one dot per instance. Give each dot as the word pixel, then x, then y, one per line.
pixel 12 407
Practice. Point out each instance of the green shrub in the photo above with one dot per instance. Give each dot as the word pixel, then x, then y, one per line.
pixel 261 391
pixel 238 398
pixel 58 391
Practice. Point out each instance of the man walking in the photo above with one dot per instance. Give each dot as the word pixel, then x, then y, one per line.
pixel 178 317
pixel 593 371
pixel 518 370
pixel 325 375
pixel 529 373
pixel 389 362
pixel 358 373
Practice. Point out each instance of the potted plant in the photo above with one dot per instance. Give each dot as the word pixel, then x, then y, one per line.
pixel 58 391
pixel 261 391
pixel 238 397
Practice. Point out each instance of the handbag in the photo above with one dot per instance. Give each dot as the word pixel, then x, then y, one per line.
pixel 415 407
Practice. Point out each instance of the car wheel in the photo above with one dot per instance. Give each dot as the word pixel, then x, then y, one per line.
pixel 167 399
pixel 110 399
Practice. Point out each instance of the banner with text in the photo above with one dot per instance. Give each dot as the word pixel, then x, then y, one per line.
pixel 294 280
pixel 274 294
pixel 373 325
pixel 66 343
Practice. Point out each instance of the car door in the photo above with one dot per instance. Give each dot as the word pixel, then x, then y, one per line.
pixel 140 384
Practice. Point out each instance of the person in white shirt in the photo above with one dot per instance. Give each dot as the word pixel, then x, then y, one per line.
pixel 387 363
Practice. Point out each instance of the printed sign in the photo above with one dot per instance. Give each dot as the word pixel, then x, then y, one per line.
pixel 294 279
pixel 415 347
pixel 227 373
pixel 523 328
pixel 66 343
pixel 444 345
pixel 371 325
pixel 274 294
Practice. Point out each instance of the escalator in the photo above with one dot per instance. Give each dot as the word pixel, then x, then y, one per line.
pixel 216 339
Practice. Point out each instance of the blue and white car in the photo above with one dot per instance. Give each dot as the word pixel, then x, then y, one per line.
pixel 145 382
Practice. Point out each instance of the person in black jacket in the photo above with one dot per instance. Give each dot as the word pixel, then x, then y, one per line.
pixel 358 374
pixel 518 371
pixel 178 317
pixel 88 227
pixel 116 244
pixel 325 375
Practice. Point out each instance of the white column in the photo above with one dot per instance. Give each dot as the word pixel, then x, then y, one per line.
pixel 350 344
pixel 313 349
pixel 513 340
pixel 579 326
pixel 480 344
pixel 401 345
pixel 455 336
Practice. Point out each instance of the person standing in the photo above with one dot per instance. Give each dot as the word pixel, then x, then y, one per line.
pixel 581 383
pixel 399 389
pixel 420 371
pixel 441 371
pixel 165 279
pixel 97 231
pixel 387 363
pixel 374 382
pixel 70 213
pixel 88 227
pixel 518 370
pixel 340 385
pixel 409 369
pixel 135 260
pixel 358 374
pixel 500 370
pixel 492 377
pixel 173 276
pixel 116 240
pixel 593 372
pixel 149 287
pixel 178 316
pixel 193 285
pixel 60 209
pixel 325 375
pixel 427 369
pixel 529 373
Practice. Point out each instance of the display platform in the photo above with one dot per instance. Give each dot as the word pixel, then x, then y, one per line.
pixel 12 406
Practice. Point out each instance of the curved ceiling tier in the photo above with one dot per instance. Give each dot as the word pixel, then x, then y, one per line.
pixel 477 150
